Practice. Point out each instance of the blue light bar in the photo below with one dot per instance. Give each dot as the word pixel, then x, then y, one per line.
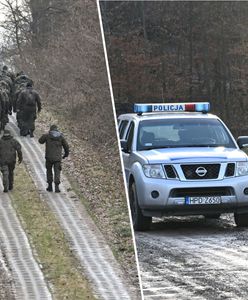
pixel 172 107
pixel 202 107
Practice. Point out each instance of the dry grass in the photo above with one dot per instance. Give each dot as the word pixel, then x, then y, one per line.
pixel 98 182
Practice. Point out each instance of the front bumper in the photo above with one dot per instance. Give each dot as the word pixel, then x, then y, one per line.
pixel 186 210
pixel 167 204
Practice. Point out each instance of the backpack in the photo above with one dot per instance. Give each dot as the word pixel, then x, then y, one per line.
pixel 30 99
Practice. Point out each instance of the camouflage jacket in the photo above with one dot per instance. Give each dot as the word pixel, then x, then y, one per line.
pixel 9 147
pixel 55 143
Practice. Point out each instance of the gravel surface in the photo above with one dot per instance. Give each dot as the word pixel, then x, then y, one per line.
pixel 6 288
pixel 194 258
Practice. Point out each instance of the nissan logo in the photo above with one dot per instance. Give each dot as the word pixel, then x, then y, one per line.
pixel 201 171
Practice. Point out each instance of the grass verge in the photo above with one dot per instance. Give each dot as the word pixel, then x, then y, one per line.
pixel 59 266
pixel 98 183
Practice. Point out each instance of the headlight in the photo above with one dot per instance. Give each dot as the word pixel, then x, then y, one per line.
pixel 153 171
pixel 242 168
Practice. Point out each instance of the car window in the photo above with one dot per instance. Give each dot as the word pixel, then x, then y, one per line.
pixel 122 128
pixel 130 136
pixel 172 133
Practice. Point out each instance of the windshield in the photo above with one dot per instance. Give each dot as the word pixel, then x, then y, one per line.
pixel 177 133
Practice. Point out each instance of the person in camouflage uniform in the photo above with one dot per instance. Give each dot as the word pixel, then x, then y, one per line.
pixel 8 78
pixel 19 89
pixel 55 143
pixel 9 147
pixel 8 73
pixel 28 103
pixel 21 77
pixel 6 107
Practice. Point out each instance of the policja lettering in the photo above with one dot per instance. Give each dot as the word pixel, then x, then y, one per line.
pixel 171 107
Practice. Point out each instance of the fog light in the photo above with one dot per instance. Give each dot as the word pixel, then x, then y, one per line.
pixel 155 194
pixel 246 191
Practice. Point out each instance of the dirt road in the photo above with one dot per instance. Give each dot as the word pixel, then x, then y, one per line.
pixel 194 258
pixel 6 288
pixel 28 280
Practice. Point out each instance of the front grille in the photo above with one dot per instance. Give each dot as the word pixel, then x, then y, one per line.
pixel 170 171
pixel 230 170
pixel 211 171
pixel 198 192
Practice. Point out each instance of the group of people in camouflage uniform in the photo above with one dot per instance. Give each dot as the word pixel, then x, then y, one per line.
pixel 18 96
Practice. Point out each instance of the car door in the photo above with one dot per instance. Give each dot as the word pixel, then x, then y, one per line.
pixel 127 154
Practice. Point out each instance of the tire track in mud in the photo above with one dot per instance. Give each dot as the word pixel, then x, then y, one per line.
pixel 29 282
pixel 86 240
pixel 194 264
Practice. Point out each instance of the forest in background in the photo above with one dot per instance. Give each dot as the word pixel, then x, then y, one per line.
pixel 58 44
pixel 169 51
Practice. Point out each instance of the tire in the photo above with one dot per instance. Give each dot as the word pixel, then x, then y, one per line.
pixel 241 220
pixel 212 216
pixel 140 222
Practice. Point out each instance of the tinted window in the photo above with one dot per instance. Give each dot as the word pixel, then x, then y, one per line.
pixel 130 136
pixel 122 128
pixel 172 133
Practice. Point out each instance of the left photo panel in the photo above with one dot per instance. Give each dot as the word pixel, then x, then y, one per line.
pixel 65 229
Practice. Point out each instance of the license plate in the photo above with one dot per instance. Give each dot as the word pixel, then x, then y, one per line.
pixel 203 200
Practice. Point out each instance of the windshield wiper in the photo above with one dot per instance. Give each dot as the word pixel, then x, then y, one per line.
pixel 156 147
pixel 198 146
pixel 182 146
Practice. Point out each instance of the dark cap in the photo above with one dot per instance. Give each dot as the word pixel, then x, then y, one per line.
pixel 53 127
pixel 6 133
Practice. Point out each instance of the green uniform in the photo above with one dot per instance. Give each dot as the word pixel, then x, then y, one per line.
pixel 28 103
pixel 5 108
pixel 55 143
pixel 9 147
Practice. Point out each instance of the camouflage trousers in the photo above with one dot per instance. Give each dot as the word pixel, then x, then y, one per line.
pixel 26 122
pixel 56 167
pixel 8 175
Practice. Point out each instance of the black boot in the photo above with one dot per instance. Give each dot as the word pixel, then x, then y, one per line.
pixel 57 190
pixel 5 190
pixel 10 187
pixel 31 133
pixel 50 187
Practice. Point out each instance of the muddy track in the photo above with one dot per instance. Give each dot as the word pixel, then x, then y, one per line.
pixel 86 240
pixel 28 279
pixel 6 282
pixel 194 258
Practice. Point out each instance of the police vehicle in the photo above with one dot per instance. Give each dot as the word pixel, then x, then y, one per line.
pixel 181 160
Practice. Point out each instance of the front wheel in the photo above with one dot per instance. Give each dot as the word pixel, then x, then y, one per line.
pixel 241 220
pixel 140 222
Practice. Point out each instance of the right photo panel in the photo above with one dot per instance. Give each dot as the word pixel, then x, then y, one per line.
pixel 179 72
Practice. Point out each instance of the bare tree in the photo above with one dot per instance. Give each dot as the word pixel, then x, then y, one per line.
pixel 16 24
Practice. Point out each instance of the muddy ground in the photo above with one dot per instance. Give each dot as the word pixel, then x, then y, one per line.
pixel 6 291
pixel 194 258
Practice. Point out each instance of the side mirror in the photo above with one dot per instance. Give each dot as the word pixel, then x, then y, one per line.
pixel 124 146
pixel 242 141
